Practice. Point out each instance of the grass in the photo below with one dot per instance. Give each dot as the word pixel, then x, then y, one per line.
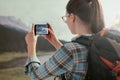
pixel 15 73
pixel 4 57
pixel 7 56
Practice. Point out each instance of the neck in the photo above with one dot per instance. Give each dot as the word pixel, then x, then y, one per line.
pixel 82 28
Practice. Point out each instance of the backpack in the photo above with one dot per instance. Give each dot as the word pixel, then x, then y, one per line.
pixel 103 55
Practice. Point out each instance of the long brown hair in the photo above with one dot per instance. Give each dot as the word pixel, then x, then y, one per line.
pixel 89 11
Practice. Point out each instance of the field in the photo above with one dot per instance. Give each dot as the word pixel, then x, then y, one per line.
pixel 13 74
pixel 12 66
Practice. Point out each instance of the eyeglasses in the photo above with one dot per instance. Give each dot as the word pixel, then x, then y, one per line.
pixel 64 18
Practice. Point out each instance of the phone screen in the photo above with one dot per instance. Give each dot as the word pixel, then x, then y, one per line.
pixel 41 29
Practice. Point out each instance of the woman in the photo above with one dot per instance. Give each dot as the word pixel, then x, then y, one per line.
pixel 83 17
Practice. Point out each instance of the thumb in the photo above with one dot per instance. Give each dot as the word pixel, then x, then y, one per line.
pixel 37 36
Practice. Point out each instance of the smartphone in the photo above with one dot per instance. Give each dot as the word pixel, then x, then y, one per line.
pixel 41 29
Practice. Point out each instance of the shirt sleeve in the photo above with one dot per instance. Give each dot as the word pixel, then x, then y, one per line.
pixel 61 62
pixel 33 61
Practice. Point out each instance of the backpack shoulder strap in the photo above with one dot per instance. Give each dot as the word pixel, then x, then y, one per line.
pixel 84 40
pixel 87 40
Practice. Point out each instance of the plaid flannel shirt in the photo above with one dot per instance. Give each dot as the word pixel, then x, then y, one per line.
pixel 69 59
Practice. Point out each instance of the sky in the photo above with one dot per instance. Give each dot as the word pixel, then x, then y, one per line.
pixel 42 11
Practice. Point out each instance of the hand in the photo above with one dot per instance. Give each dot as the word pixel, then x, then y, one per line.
pixel 51 37
pixel 31 40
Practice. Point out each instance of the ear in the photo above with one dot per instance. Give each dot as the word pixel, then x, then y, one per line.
pixel 73 17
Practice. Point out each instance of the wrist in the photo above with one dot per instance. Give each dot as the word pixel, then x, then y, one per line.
pixel 58 45
pixel 31 51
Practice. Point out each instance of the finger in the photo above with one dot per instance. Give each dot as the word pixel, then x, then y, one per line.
pixel 49 35
pixel 49 26
pixel 32 28
pixel 45 36
pixel 51 32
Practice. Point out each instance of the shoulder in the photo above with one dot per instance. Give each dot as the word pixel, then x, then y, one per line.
pixel 78 51
pixel 72 46
pixel 72 50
